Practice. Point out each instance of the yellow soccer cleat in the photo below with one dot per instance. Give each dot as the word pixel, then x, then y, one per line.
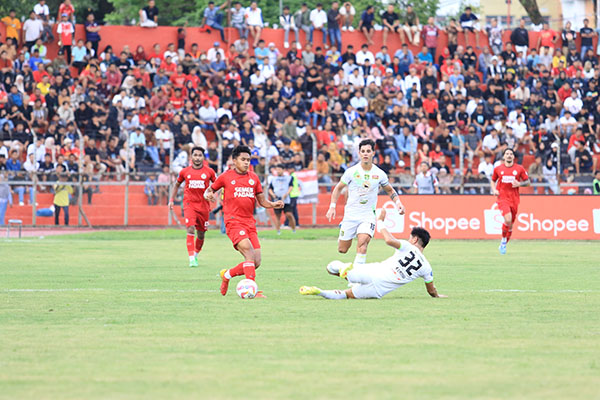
pixel 309 290
pixel 344 270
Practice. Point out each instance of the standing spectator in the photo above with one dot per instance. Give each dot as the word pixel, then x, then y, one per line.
pixel 212 19
pixel 430 34
pixel 62 191
pixel 13 25
pixel 65 31
pixel 32 30
pixel 365 25
pixel 255 22
pixel 67 8
pixel 470 23
pixel 495 37
pixel 547 38
pixel 452 30
pixel 411 26
pixel 568 36
pixel 238 19
pixel 323 169
pixel 287 23
pixel 149 15
pixel 520 38
pixel 587 38
pixel 91 32
pixel 150 190
pixel 5 197
pixel 333 25
pixel 391 23
pixel 318 19
pixel 425 181
pixel 536 172
pixel 347 13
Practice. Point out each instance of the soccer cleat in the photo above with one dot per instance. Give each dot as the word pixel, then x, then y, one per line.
pixel 334 267
pixel 224 282
pixel 502 248
pixel 345 269
pixel 193 263
pixel 309 290
pixel 260 295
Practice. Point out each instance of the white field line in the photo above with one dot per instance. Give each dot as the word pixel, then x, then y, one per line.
pixel 280 291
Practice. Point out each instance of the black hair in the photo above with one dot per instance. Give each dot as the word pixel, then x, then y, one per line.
pixel 422 234
pixel 239 150
pixel 508 149
pixel 200 149
pixel 367 142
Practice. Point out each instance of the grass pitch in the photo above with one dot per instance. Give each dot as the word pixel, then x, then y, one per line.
pixel 120 315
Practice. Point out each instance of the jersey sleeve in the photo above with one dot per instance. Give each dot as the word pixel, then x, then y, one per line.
pixel 219 183
pixel 258 189
pixel 427 273
pixel 495 175
pixel 181 176
pixel 523 176
pixel 346 177
pixel 383 180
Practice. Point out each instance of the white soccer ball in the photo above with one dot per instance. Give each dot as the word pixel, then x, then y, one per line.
pixel 246 289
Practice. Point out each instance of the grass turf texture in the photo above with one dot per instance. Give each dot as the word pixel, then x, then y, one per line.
pixel 120 315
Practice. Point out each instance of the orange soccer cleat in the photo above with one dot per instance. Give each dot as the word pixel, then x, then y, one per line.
pixel 224 282
pixel 260 295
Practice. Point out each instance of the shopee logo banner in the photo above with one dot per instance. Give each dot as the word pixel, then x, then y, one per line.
pixel 478 217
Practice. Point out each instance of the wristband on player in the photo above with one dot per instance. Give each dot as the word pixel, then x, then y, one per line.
pixel 331 205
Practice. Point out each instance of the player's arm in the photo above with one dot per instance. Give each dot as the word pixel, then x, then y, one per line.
pixel 524 183
pixel 209 194
pixel 395 198
pixel 175 190
pixel 390 240
pixel 262 200
pixel 432 290
pixel 337 190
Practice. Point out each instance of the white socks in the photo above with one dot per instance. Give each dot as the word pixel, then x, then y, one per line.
pixel 360 258
pixel 333 294
pixel 192 258
pixel 503 241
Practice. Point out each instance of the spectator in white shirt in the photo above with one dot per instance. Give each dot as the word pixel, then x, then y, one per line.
pixel 364 54
pixel 42 10
pixel 257 78
pixel 318 19
pixel 359 102
pixel 519 128
pixel 410 80
pixel 347 11
pixel 163 137
pixel 567 122
pixel 255 21
pixel 208 115
pixel 32 30
pixel 486 167
pixel 287 22
pixel 211 54
pixel 491 144
pixel 355 79
pixel 573 103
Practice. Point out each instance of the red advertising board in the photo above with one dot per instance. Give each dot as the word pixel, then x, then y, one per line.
pixel 477 217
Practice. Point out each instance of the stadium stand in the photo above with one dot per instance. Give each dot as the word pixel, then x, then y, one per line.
pixel 113 103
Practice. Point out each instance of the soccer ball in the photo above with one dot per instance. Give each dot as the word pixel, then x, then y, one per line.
pixel 246 289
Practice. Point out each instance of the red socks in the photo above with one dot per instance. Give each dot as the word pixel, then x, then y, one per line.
pixel 199 244
pixel 190 244
pixel 249 269
pixel 506 232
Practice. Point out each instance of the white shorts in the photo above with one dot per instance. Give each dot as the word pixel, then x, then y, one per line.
pixel 371 281
pixel 349 229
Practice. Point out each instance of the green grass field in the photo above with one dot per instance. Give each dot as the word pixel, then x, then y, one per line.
pixel 119 315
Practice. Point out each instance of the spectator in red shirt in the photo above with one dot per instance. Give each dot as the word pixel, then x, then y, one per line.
pixel 67 8
pixel 318 109
pixel 177 100
pixel 547 38
pixel 564 91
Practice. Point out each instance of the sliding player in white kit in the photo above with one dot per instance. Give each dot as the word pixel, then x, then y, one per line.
pixel 375 280
pixel 363 180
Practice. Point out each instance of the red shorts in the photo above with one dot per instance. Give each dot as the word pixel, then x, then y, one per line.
pixel 195 217
pixel 240 230
pixel 506 207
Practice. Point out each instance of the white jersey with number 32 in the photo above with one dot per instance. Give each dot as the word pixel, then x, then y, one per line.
pixel 363 188
pixel 408 264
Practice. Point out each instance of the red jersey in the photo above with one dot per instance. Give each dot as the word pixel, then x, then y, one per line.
pixel 196 182
pixel 504 177
pixel 239 194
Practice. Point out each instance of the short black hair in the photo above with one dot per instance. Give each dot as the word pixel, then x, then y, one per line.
pixel 367 142
pixel 422 234
pixel 508 149
pixel 239 150
pixel 200 149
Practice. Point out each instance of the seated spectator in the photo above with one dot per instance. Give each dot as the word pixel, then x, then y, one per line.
pixel 149 15
pixel 411 26
pixel 366 24
pixel 212 18
pixel 254 20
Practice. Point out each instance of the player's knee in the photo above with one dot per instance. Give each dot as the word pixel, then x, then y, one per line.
pixel 342 249
pixel 191 230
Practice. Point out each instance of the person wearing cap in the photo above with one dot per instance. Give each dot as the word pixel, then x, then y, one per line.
pixel 212 19
pixel 255 22
pixel 211 53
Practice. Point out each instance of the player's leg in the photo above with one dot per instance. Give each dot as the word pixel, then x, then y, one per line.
pixel 190 223
pixel 201 227
pixel 278 221
pixel 347 233
pixel 506 226
pixel 513 217
pixel 292 221
pixel 199 242
pixel 365 232
pixel 327 294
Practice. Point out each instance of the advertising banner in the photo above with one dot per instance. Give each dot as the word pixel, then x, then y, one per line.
pixel 477 217
pixel 309 186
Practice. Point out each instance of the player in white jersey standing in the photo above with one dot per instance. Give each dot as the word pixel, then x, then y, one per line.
pixel 363 180
pixel 375 280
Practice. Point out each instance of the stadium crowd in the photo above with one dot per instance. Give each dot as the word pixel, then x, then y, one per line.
pixel 423 109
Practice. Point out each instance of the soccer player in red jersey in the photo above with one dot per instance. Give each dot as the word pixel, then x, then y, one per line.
pixel 197 178
pixel 241 189
pixel 507 178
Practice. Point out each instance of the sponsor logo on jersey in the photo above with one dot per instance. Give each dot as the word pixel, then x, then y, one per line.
pixel 515 172
pixel 244 192
pixel 251 181
pixel 233 182
pixel 375 176
pixel 508 179
pixel 203 176
pixel 242 233
pixel 189 176
pixel 196 184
